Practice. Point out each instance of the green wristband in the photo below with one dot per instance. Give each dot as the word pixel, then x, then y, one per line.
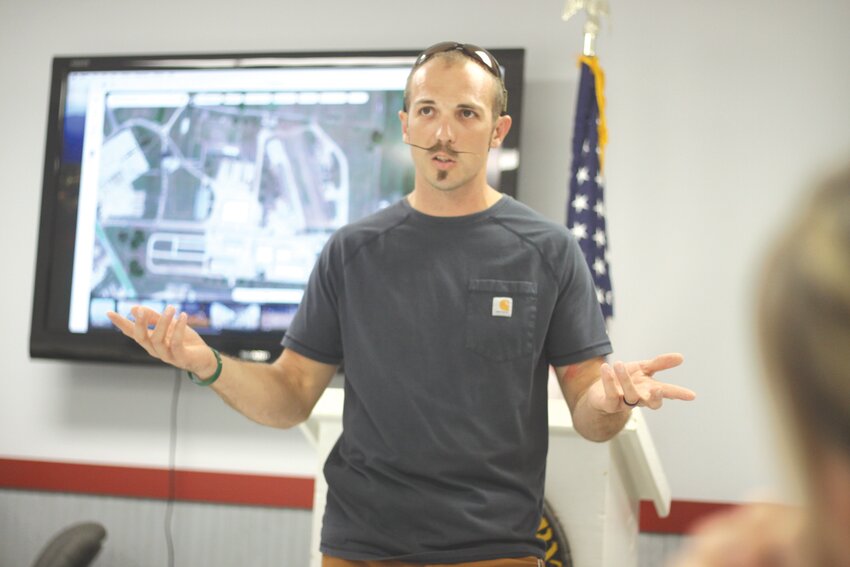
pixel 194 377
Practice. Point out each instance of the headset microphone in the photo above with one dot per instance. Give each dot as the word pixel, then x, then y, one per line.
pixel 439 147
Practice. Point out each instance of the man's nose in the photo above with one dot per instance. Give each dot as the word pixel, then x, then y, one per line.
pixel 445 132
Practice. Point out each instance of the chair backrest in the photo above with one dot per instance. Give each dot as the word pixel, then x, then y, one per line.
pixel 75 546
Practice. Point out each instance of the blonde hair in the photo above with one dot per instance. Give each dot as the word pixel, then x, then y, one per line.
pixel 804 320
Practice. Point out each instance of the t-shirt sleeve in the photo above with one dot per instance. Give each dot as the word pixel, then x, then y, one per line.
pixel 315 329
pixel 577 329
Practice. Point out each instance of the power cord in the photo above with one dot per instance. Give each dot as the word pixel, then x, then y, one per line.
pixel 172 472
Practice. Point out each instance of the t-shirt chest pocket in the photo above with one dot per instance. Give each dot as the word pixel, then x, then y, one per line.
pixel 500 318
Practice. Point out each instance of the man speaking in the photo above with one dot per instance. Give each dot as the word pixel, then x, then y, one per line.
pixel 448 308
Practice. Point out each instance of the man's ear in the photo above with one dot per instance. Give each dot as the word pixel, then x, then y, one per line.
pixel 402 116
pixel 503 126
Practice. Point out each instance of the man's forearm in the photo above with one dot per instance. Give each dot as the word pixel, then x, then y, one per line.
pixel 262 393
pixel 596 425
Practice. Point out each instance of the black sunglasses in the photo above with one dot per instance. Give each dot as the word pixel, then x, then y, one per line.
pixel 477 54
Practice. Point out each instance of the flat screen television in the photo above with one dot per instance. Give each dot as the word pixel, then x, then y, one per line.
pixel 211 182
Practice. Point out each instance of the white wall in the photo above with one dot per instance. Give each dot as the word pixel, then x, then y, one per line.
pixel 718 114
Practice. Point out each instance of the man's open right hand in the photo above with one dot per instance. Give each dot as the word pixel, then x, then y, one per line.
pixel 167 338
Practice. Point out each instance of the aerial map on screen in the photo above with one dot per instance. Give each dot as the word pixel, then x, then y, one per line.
pixel 216 195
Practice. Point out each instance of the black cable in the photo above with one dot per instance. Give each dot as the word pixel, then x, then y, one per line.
pixel 172 472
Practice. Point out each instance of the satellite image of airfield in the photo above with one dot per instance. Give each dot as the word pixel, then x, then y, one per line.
pixel 197 199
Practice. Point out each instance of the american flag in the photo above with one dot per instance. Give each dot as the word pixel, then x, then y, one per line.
pixel 585 203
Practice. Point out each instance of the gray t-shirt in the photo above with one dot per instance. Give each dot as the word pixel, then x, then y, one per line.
pixel 446 326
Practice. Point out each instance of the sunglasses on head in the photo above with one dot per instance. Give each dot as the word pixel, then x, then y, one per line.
pixel 477 54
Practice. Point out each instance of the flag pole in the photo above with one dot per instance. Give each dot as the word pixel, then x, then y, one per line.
pixel 585 198
pixel 594 9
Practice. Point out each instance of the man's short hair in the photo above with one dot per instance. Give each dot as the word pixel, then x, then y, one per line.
pixel 500 94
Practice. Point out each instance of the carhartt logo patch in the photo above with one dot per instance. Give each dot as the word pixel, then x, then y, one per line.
pixel 503 306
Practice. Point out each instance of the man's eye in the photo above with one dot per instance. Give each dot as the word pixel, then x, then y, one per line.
pixel 426 111
pixel 467 113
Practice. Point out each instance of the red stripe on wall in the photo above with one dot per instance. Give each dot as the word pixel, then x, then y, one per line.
pixel 245 489
pixel 684 514
pixel 138 482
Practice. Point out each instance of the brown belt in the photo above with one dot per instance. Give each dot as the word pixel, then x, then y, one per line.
pixel 328 561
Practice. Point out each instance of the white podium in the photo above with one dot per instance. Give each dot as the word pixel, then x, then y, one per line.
pixel 594 488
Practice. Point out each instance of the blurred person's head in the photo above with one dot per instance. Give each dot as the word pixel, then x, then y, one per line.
pixel 804 319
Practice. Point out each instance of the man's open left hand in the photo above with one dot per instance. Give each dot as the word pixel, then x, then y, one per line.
pixel 631 384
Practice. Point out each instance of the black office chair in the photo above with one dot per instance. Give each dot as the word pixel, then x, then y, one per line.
pixel 75 546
